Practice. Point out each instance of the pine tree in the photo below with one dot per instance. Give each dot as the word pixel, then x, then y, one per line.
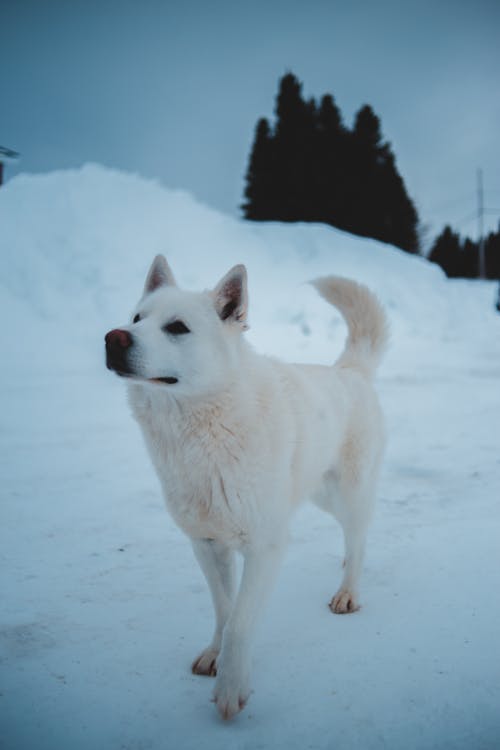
pixel 467 266
pixel 311 168
pixel 378 201
pixel 446 251
pixel 397 214
pixel 492 254
pixel 330 164
pixel 294 139
pixel 460 259
pixel 261 191
pixel 361 187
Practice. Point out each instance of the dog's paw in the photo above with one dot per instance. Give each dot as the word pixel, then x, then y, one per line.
pixel 206 663
pixel 344 602
pixel 229 698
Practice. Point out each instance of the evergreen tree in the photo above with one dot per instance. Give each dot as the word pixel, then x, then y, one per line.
pixel 330 164
pixel 492 254
pixel 260 191
pixel 312 168
pixel 294 139
pixel 378 201
pixel 397 214
pixel 446 251
pixel 460 259
pixel 457 258
pixel 467 266
pixel 362 195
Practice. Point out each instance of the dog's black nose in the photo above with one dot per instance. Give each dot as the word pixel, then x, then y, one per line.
pixel 118 343
pixel 118 339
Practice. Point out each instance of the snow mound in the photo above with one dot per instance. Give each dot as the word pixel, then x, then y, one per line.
pixel 77 244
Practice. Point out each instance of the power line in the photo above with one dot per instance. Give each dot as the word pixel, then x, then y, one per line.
pixel 448 204
pixel 469 197
pixel 466 219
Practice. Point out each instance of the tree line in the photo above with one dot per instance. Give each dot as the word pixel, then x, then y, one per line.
pixel 459 258
pixel 309 166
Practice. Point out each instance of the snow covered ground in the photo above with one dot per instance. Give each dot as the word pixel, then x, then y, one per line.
pixel 103 606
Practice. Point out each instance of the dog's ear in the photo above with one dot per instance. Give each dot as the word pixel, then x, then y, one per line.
pixel 231 297
pixel 159 274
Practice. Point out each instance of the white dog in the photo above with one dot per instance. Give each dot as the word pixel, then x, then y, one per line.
pixel 239 440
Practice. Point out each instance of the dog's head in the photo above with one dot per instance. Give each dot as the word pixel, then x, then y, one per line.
pixel 181 340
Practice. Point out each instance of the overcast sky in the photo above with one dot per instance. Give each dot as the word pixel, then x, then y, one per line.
pixel 173 89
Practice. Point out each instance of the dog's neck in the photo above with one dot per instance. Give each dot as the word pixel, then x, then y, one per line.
pixel 174 407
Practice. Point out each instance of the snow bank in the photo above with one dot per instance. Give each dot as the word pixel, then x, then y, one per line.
pixel 76 246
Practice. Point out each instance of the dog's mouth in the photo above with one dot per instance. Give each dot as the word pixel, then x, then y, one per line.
pixel 168 380
pixel 118 343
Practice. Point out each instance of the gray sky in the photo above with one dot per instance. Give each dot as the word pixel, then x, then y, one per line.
pixel 173 89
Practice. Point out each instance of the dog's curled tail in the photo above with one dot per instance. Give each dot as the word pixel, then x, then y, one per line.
pixel 366 322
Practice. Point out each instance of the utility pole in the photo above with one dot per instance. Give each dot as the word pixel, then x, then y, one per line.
pixel 480 224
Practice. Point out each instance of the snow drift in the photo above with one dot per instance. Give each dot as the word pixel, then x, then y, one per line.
pixel 76 246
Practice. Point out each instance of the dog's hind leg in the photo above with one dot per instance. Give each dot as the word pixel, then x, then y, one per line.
pixel 346 599
pixel 351 489
pixel 352 507
pixel 218 565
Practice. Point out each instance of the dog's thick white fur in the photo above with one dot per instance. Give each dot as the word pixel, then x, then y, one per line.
pixel 239 440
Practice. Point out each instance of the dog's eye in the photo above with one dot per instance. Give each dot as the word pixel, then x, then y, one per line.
pixel 136 318
pixel 176 328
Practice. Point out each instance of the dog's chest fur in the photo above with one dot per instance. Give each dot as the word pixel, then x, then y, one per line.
pixel 198 455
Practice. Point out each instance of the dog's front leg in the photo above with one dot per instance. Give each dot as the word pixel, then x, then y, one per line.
pixel 218 565
pixel 232 687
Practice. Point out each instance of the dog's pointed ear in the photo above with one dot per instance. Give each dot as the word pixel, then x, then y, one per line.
pixel 159 274
pixel 231 296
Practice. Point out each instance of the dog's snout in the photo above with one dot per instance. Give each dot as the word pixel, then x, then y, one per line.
pixel 118 339
pixel 118 343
